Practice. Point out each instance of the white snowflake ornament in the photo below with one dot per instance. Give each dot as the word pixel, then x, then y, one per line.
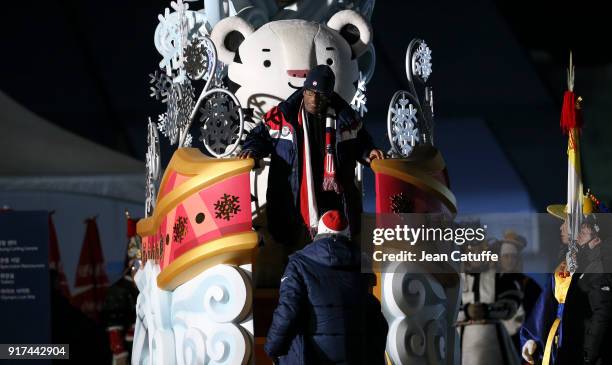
pixel 359 100
pixel 152 167
pixel 173 32
pixel 188 140
pixel 421 61
pixel 403 122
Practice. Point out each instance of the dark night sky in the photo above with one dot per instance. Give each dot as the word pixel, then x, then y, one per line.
pixel 84 66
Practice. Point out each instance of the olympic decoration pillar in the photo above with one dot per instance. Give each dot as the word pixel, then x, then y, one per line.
pixel 419 301
pixel 198 247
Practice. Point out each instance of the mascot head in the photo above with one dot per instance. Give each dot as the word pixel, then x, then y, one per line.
pixel 270 63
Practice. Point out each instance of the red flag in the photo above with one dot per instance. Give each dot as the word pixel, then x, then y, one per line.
pixel 55 261
pixel 91 281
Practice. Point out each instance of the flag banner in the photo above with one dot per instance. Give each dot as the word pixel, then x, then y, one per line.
pixel 91 280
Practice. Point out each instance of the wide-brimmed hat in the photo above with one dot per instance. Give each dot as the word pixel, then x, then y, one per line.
pixel 590 204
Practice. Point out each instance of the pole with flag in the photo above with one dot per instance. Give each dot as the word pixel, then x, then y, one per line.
pixel 571 122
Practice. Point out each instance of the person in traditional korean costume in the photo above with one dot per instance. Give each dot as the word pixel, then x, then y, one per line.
pixel 572 320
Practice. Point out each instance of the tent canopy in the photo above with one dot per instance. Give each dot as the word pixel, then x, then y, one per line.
pixel 39 155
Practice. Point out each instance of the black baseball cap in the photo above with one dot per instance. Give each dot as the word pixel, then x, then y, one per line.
pixel 321 79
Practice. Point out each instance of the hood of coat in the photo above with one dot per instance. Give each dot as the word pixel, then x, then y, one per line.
pixel 332 251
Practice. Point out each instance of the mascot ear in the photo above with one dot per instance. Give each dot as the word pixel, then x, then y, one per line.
pixel 354 28
pixel 227 35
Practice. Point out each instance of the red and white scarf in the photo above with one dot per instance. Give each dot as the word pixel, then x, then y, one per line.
pixel 308 203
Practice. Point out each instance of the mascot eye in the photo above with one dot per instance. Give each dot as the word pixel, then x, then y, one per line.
pixel 330 62
pixel 267 63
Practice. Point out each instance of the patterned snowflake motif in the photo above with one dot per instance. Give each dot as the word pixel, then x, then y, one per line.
pixel 188 140
pixel 405 134
pixel 161 83
pixel 196 59
pixel 151 195
pixel 359 99
pixel 400 203
pixel 170 45
pixel 227 206
pixel 220 122
pixel 171 126
pixel 421 61
pixel 152 167
pixel 180 228
pixel 181 102
pixel 162 124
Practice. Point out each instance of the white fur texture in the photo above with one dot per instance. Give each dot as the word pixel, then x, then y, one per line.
pixel 222 29
pixel 268 54
pixel 346 17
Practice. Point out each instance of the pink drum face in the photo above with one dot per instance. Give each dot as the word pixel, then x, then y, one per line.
pixel 220 209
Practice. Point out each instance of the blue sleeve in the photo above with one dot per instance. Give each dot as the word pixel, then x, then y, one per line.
pixel 259 141
pixel 284 325
pixel 538 324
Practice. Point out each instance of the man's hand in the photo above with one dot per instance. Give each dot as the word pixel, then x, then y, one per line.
pixel 529 348
pixel 246 154
pixel 376 154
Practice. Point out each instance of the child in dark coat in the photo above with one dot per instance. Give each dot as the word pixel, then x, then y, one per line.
pixel 326 314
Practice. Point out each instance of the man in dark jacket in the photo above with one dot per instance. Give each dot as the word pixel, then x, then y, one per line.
pixel 584 314
pixel 325 313
pixel 314 139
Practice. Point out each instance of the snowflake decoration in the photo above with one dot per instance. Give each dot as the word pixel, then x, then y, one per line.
pixel 151 194
pixel 403 114
pixel 152 154
pixel 400 203
pixel 181 102
pixel 174 31
pixel 162 124
pixel 227 206
pixel 188 140
pixel 220 123
pixel 170 44
pixel 171 125
pixel 196 59
pixel 359 99
pixel 405 134
pixel 180 228
pixel 152 167
pixel 421 61
pixel 160 85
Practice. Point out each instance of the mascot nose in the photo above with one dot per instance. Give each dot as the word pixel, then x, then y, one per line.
pixel 298 73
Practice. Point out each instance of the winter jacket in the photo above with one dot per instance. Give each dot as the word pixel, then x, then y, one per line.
pixel 281 137
pixel 325 314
